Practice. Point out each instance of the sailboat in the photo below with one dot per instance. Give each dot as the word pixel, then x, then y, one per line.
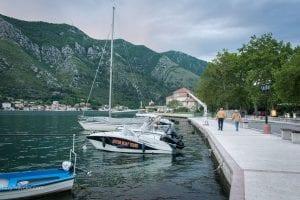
pixel 109 123
pixel 150 138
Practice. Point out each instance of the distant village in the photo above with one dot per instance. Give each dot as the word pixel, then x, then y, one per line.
pixel 21 104
pixel 180 95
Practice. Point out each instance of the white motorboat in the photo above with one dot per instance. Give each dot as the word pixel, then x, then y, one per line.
pixel 141 140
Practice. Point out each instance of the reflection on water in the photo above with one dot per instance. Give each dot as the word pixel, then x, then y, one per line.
pixel 114 175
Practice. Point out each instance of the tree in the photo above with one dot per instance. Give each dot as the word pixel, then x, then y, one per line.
pixel 221 84
pixel 234 80
pixel 287 80
pixel 174 104
pixel 261 57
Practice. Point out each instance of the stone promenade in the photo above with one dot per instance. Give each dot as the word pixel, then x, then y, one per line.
pixel 257 166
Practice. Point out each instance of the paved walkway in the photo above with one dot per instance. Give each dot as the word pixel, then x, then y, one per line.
pixel 258 166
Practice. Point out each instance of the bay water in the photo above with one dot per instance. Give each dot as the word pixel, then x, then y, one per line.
pixel 41 140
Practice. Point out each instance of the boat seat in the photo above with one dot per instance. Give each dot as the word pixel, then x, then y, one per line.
pixel 3 182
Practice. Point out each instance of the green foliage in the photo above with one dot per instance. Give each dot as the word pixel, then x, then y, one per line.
pixel 190 63
pixel 27 73
pixel 234 80
pixel 221 84
pixel 57 35
pixel 261 56
pixel 174 104
pixel 15 73
pixel 287 80
pixel 181 110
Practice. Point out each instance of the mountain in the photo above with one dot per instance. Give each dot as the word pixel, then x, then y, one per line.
pixel 45 61
pixel 189 63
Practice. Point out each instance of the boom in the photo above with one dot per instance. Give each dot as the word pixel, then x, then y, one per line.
pixel 200 102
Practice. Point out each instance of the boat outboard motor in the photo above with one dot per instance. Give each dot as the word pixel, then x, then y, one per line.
pixel 173 137
pixel 67 166
pixel 173 133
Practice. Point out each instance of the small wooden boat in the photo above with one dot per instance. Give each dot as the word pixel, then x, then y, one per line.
pixel 28 184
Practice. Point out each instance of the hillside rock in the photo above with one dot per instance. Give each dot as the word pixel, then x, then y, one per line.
pixel 58 61
pixel 51 55
pixel 163 69
pixel 7 30
pixel 79 49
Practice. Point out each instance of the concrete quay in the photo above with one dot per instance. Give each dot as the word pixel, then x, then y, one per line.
pixel 257 166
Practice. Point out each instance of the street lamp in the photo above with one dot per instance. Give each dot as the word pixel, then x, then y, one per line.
pixel 266 88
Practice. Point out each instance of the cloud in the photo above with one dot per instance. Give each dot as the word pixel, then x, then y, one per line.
pixel 200 28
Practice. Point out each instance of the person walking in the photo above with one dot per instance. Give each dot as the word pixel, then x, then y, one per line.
pixel 221 115
pixel 236 117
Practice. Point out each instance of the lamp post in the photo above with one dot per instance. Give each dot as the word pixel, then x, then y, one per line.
pixel 266 88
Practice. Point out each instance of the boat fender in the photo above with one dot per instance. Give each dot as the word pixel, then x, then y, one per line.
pixel 103 142
pixel 67 165
pixel 143 147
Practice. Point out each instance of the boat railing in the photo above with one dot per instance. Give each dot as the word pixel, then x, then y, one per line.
pixel 73 156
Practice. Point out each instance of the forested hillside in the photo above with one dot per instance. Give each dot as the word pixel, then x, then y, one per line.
pixel 44 61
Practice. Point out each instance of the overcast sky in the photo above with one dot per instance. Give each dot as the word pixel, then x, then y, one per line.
pixel 200 28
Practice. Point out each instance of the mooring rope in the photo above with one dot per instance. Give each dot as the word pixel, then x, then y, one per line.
pixel 87 172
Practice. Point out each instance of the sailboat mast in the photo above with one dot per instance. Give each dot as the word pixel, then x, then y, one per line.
pixel 111 60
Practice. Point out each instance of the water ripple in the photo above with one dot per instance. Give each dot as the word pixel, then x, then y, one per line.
pixel 114 175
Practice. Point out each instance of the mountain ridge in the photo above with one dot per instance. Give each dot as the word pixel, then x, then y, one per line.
pixel 59 61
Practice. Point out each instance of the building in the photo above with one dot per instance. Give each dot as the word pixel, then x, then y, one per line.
pixel 6 106
pixel 18 104
pixel 182 96
pixel 55 105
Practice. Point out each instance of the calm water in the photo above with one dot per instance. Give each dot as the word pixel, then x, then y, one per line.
pixel 114 175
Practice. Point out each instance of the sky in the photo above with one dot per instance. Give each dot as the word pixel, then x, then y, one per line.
pixel 200 28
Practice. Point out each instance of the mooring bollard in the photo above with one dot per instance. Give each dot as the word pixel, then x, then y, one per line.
pixel 245 124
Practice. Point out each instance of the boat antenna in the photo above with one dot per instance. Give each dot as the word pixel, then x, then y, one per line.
pixel 111 60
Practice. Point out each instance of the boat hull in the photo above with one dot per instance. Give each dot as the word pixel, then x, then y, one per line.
pixel 34 183
pixel 142 144
pixel 37 191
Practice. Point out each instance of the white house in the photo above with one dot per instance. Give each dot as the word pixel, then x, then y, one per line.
pixel 6 106
pixel 183 97
pixel 55 105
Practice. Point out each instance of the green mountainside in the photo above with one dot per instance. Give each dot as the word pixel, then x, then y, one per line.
pixel 44 61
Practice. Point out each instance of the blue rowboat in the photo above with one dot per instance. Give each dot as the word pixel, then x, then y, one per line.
pixel 27 184
pixel 35 183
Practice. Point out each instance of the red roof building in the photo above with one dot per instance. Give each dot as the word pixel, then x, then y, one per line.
pixel 182 95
